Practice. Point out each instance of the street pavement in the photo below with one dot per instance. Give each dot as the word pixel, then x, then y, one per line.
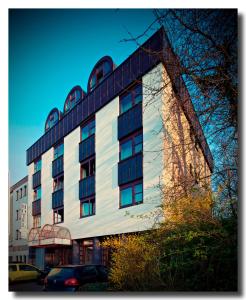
pixel 27 286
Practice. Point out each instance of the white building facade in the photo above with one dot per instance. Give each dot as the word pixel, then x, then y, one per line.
pixel 96 171
pixel 18 226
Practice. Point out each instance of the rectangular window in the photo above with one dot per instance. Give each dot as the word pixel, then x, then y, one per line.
pixel 87 130
pixel 132 97
pixel 132 194
pixel 18 234
pixel 58 215
pixel 25 190
pixel 17 215
pixel 131 146
pixel 37 165
pixel 36 221
pixel 87 207
pixel 37 193
pixel 58 183
pixel 58 150
pixel 87 168
pixel 20 193
pixel 17 195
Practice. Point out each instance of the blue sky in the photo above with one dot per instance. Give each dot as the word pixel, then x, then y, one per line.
pixel 50 51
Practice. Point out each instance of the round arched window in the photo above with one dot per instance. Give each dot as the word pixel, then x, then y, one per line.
pixel 101 70
pixel 52 119
pixel 73 97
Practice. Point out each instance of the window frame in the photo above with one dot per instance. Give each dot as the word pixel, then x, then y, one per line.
pixel 34 221
pixel 36 166
pixel 57 146
pixel 85 125
pixel 55 211
pixel 89 161
pixel 132 186
pixel 57 178
pixel 89 199
pixel 132 139
pixel 34 193
pixel 130 90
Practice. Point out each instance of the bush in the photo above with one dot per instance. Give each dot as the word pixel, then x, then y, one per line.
pixel 188 256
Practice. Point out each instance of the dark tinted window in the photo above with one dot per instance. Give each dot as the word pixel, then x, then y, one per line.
pixel 102 270
pixel 27 268
pixel 64 272
pixel 89 270
pixel 12 268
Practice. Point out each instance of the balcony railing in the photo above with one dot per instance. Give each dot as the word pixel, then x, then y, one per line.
pixel 36 179
pixel 87 148
pixel 36 207
pixel 57 166
pixel 87 187
pixel 130 121
pixel 57 198
pixel 130 169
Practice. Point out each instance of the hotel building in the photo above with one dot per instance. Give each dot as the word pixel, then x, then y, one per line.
pixel 96 170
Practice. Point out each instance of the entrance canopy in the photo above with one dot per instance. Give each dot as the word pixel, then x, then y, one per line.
pixel 49 235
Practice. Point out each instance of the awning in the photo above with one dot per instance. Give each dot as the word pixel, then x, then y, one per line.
pixel 49 235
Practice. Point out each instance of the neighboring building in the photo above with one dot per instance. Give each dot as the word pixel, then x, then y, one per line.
pixel 18 228
pixel 96 170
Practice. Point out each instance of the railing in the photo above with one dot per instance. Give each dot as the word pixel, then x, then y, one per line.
pixel 130 169
pixel 87 187
pixel 57 166
pixel 57 198
pixel 130 121
pixel 36 179
pixel 87 148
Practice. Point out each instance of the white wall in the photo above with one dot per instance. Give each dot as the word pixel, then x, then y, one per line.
pixel 46 188
pixel 71 181
pixel 109 219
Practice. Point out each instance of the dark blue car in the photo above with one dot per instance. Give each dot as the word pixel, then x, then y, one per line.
pixel 72 277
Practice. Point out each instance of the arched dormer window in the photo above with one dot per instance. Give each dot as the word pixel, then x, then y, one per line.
pixel 53 117
pixel 73 97
pixel 101 70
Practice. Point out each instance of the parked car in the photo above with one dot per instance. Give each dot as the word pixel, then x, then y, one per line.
pixel 24 272
pixel 73 277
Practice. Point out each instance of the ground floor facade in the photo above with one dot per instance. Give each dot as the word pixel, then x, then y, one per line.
pixel 80 251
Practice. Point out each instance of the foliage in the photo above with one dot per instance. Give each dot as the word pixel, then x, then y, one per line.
pixel 190 251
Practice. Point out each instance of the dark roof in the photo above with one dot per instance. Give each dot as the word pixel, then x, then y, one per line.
pixel 18 184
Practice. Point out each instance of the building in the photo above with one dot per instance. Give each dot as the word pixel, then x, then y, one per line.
pixel 97 169
pixel 18 227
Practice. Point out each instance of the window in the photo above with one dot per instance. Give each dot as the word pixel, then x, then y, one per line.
pixel 131 98
pixel 58 215
pixel 37 193
pixel 131 194
pixel 87 207
pixel 17 195
pixel 37 165
pixel 58 183
pixel 131 146
pixel 87 168
pixel 52 119
pixel 27 268
pixel 99 74
pixel 87 130
pixel 36 221
pixel 58 151
pixel 25 190
pixel 18 234
pixel 72 99
pixel 17 215
pixel 20 193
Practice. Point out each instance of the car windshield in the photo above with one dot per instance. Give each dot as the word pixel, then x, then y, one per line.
pixel 62 272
